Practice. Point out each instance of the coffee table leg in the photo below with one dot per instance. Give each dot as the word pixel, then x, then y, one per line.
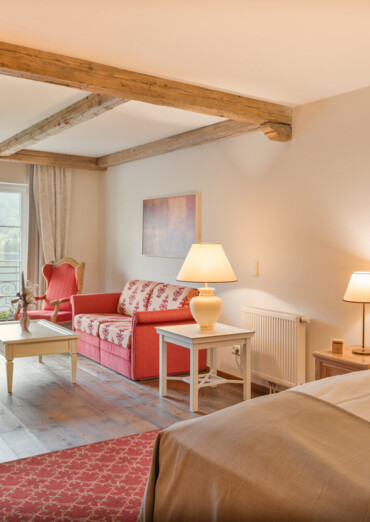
pixel 40 358
pixel 72 347
pixel 74 367
pixel 162 366
pixel 9 374
pixel 194 365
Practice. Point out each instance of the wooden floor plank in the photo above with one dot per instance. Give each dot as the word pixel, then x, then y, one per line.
pixel 58 437
pixel 24 443
pixel 46 412
pixel 6 453
pixel 9 421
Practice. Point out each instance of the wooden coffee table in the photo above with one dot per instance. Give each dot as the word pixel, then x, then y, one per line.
pixel 44 338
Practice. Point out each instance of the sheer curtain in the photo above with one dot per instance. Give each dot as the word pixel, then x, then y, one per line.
pixel 35 258
pixel 52 193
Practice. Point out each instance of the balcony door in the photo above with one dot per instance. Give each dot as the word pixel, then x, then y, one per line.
pixel 13 240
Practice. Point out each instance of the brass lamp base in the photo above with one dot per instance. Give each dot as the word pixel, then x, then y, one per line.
pixel 358 350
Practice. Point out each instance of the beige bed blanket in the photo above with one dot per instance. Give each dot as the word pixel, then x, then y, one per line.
pixel 286 457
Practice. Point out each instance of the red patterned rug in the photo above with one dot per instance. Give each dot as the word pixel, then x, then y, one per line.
pixel 101 481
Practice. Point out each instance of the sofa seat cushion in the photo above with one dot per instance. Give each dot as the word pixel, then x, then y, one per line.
pixel 135 296
pixel 118 333
pixel 170 297
pixel 89 323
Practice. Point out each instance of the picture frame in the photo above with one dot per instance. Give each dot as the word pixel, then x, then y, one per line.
pixel 170 225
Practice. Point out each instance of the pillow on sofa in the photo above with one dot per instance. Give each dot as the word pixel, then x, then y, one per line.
pixel 135 296
pixel 170 297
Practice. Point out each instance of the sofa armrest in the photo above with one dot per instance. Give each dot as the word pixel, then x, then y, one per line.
pixel 145 344
pixel 163 316
pixel 95 303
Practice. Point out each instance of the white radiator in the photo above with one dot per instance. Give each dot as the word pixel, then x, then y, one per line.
pixel 278 348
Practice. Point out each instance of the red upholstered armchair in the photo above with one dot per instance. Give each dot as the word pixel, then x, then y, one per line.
pixel 64 278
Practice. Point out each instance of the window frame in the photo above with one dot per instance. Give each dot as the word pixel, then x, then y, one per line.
pixel 22 189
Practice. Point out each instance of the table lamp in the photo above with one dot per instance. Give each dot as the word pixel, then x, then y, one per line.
pixel 358 291
pixel 206 263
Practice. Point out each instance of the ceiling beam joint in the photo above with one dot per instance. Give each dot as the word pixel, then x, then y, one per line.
pixel 79 112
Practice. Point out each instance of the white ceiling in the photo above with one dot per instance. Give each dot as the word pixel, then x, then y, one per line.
pixel 286 51
pixel 25 102
pixel 125 126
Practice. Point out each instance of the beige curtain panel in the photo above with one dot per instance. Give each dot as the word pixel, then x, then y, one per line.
pixel 35 257
pixel 52 191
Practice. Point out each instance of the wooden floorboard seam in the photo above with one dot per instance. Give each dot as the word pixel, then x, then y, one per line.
pixel 46 412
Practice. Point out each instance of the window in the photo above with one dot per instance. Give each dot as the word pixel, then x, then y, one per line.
pixel 13 240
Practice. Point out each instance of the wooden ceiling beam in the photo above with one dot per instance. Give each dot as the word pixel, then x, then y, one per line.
pixel 37 157
pixel 207 134
pixel 223 129
pixel 25 62
pixel 79 112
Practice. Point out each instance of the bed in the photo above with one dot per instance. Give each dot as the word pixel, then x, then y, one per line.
pixel 303 454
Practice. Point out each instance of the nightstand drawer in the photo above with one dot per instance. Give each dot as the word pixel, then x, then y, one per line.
pixel 325 370
pixel 328 364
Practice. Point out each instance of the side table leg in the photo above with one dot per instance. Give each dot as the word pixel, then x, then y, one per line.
pixel 246 362
pixel 40 358
pixel 213 363
pixel 162 366
pixel 213 360
pixel 194 365
pixel 9 374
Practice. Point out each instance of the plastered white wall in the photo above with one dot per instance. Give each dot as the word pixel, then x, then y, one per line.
pixel 301 208
pixel 13 173
pixel 85 226
pixel 85 221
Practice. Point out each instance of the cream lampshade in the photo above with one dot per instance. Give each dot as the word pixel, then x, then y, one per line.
pixel 206 263
pixel 358 291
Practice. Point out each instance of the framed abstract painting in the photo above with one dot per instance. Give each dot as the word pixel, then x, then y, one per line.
pixel 170 225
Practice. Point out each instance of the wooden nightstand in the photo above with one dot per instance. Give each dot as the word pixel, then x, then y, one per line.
pixel 328 363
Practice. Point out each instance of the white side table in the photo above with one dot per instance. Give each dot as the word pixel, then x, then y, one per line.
pixel 188 336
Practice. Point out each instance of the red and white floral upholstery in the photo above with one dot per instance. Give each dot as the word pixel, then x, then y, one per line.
pixel 135 296
pixel 169 297
pixel 127 342
pixel 89 323
pixel 118 333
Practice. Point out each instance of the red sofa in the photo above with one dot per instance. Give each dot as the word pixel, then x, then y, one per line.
pixel 118 329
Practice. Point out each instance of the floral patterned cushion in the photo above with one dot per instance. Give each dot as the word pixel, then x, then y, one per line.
pixel 168 297
pixel 118 333
pixel 89 323
pixel 135 296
